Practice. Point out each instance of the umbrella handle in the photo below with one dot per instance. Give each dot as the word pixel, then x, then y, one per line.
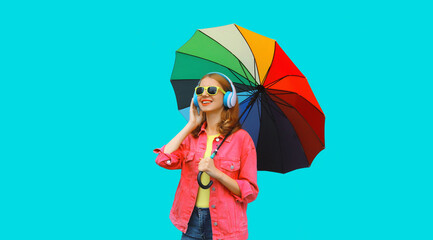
pixel 201 184
pixel 200 173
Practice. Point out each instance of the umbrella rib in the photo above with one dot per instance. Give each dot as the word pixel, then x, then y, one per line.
pixel 247 94
pixel 243 101
pixel 267 72
pixel 246 110
pixel 265 100
pixel 244 94
pixel 255 68
pixel 249 82
pixel 276 81
pixel 242 89
pixel 249 106
pixel 233 72
pixel 289 92
pixel 249 111
pixel 258 108
pixel 283 93
pixel 286 104
pixel 272 62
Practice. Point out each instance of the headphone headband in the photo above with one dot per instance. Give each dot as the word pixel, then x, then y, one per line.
pixel 230 97
pixel 227 78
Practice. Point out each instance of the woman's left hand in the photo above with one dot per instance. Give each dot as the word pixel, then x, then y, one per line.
pixel 207 165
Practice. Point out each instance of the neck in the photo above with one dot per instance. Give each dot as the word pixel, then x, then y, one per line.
pixel 212 119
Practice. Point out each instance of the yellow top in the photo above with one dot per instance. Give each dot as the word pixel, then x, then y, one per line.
pixel 203 194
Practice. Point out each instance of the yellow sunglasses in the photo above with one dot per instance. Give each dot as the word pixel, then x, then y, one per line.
pixel 211 90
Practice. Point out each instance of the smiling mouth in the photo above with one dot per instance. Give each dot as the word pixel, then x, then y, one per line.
pixel 206 102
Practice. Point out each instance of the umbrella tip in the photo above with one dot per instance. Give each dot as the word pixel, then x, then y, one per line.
pixel 260 88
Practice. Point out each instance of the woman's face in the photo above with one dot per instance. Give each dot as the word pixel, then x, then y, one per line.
pixel 210 103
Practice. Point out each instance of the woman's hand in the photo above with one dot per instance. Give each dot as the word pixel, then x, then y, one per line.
pixel 195 118
pixel 207 165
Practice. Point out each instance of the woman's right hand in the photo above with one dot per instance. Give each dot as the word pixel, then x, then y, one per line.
pixel 195 118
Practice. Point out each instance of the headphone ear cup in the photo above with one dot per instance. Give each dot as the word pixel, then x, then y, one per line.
pixel 195 100
pixel 227 99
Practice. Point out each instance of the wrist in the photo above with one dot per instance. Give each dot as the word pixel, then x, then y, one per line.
pixel 190 126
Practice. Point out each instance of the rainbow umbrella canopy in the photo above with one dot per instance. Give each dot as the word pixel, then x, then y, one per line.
pixel 277 106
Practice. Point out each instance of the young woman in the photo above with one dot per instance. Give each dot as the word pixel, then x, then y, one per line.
pixel 218 212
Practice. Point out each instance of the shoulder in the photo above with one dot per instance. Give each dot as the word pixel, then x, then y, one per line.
pixel 244 143
pixel 243 136
pixel 241 133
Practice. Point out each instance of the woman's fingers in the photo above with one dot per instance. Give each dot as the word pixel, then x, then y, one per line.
pixel 192 112
pixel 202 165
pixel 192 102
pixel 194 115
pixel 191 106
pixel 205 164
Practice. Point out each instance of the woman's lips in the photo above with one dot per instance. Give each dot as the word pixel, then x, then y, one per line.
pixel 206 102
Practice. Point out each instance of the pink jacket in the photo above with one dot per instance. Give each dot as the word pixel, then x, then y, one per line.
pixel 236 158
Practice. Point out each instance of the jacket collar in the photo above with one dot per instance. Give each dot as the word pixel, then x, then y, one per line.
pixel 203 129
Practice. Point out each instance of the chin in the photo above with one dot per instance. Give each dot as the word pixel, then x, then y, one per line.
pixel 211 108
pixel 206 108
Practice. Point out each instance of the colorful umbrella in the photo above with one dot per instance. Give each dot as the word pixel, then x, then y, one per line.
pixel 280 111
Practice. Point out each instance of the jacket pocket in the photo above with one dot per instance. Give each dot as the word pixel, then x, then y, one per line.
pixel 231 166
pixel 190 156
pixel 191 164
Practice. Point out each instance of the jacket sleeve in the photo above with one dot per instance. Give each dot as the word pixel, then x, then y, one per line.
pixel 173 160
pixel 247 180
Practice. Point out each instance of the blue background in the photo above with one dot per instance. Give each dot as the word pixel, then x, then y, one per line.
pixel 85 98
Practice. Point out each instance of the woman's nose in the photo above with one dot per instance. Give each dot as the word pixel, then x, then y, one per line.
pixel 205 93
